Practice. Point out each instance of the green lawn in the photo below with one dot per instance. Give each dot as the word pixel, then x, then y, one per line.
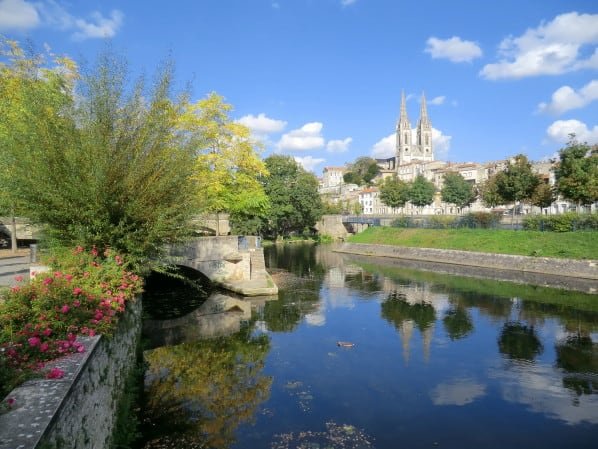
pixel 572 245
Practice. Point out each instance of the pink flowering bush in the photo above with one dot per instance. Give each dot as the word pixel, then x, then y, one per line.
pixel 83 294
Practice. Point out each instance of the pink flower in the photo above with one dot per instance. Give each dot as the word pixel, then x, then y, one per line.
pixel 77 291
pixel 65 308
pixel 18 278
pixel 68 277
pixel 92 332
pixel 55 373
pixel 47 332
pixel 78 250
pixel 15 289
pixel 44 347
pixel 76 303
pixel 94 251
pixel 34 341
pixel 48 281
pixel 10 402
pixel 57 274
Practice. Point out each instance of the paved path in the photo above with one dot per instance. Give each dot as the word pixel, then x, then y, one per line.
pixel 11 267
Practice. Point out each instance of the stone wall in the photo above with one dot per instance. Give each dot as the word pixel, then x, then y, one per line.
pixel 79 410
pixel 585 269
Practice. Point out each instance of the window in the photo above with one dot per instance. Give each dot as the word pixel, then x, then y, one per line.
pixel 427 140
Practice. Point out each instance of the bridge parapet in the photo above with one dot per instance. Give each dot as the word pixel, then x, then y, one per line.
pixel 233 262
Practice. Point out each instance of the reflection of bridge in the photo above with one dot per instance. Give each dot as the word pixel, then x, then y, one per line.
pixel 235 263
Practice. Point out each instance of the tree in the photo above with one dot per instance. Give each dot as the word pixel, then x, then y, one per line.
pixel 293 194
pixel 362 171
pixel 543 195
pixel 489 193
pixel 227 167
pixel 421 192
pixel 109 169
pixel 457 190
pixel 577 173
pixel 394 192
pixel 517 182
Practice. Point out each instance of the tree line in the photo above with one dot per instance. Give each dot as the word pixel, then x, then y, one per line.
pixel 98 159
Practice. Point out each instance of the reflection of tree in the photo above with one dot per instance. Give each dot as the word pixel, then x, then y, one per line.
pixel 293 303
pixel 458 323
pixel 298 258
pixel 396 310
pixel 363 282
pixel 200 392
pixel 578 355
pixel 492 306
pixel 519 341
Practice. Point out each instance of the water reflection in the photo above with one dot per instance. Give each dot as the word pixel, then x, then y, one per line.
pixel 473 350
pixel 198 393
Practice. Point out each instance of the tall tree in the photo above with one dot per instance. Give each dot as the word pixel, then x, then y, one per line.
pixel 456 190
pixel 489 193
pixel 109 169
pixel 421 192
pixel 394 192
pixel 362 171
pixel 228 168
pixel 577 173
pixel 293 193
pixel 543 195
pixel 517 182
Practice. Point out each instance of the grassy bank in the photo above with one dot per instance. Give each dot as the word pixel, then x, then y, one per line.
pixel 571 245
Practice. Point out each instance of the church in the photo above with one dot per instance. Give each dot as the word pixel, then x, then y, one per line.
pixel 421 149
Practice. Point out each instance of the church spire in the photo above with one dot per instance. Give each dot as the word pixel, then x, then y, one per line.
pixel 423 112
pixel 403 118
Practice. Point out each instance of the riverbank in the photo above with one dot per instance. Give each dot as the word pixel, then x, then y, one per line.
pixel 583 269
pixel 563 245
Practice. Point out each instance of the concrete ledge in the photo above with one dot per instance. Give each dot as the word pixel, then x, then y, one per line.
pixel 262 285
pixel 584 269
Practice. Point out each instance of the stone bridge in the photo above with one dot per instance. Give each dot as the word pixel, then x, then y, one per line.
pixel 235 263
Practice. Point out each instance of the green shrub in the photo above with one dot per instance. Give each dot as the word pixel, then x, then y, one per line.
pixel 484 220
pixel 401 222
pixel 442 221
pixel 567 222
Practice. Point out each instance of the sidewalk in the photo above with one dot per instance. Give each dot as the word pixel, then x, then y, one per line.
pixel 12 265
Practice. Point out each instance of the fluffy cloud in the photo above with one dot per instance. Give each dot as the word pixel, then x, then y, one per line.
pixel 20 14
pixel 386 147
pixel 309 162
pixel 17 15
pixel 308 137
pixel 550 49
pixel 437 100
pixel 454 49
pixel 99 26
pixel 338 146
pixel 559 131
pixel 261 125
pixel 566 98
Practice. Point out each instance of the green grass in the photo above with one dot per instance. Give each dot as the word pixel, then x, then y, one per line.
pixel 571 245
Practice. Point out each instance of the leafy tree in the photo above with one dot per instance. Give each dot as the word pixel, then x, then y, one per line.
pixel 519 341
pixel 110 169
pixel 394 192
pixel 543 195
pixel 577 173
pixel 227 167
pixel 421 191
pixel 362 171
pixel 293 194
pixel 458 323
pixel 457 190
pixel 489 193
pixel 517 182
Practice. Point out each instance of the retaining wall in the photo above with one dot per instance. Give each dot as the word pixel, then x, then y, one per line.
pixel 584 269
pixel 79 410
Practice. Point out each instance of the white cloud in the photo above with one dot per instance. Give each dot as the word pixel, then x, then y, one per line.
pixel 437 100
pixel 566 98
pixel 454 49
pixel 338 146
pixel 550 49
pixel 559 131
pixel 261 125
pixel 17 15
pixel 309 162
pixel 99 27
pixel 20 14
pixel 308 137
pixel 386 147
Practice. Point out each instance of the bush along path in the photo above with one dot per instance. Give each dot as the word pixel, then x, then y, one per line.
pixel 84 293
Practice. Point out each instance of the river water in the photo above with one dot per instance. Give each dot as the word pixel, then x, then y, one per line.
pixel 425 360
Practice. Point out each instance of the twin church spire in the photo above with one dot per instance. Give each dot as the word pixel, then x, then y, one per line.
pixel 407 150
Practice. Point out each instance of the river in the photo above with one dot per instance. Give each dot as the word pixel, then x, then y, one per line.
pixel 355 354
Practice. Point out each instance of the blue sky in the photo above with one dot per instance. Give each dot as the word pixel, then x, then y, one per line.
pixel 321 80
